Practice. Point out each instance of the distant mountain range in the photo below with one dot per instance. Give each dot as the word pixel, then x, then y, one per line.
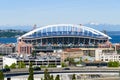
pixel 100 27
pixel 14 31
pixel 16 27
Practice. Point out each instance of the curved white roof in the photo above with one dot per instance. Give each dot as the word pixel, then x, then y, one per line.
pixel 73 25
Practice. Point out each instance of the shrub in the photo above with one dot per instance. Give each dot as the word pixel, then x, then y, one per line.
pixel 42 66
pixel 6 67
pixel 63 64
pixel 52 65
pixel 21 64
pixel 113 64
pixel 13 66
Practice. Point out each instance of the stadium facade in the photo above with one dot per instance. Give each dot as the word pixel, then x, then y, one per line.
pixel 63 36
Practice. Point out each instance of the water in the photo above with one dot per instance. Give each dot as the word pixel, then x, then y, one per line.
pixel 115 35
pixel 115 38
pixel 8 40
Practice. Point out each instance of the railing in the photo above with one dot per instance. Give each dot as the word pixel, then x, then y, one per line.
pixel 87 70
pixel 61 47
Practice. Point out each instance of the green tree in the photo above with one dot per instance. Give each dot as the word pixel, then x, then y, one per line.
pixel 57 77
pixel 11 33
pixel 110 64
pixel 51 77
pixel 46 75
pixel 73 77
pixel 21 64
pixel 70 60
pixel 52 65
pixel 116 64
pixel 113 64
pixel 63 64
pixel 31 76
pixel 1 75
pixel 33 53
pixel 6 67
pixel 13 66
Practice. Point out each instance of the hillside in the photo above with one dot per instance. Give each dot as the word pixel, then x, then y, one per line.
pixel 11 33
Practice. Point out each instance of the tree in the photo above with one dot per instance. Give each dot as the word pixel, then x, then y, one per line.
pixel 113 64
pixel 13 66
pixel 31 77
pixel 1 75
pixel 52 65
pixel 6 67
pixel 21 64
pixel 33 54
pixel 116 64
pixel 46 75
pixel 63 64
pixel 71 61
pixel 57 77
pixel 51 77
pixel 73 77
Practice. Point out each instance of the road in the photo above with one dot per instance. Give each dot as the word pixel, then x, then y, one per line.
pixel 18 72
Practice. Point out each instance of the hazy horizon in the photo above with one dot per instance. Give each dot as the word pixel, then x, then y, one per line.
pixel 100 27
pixel 45 12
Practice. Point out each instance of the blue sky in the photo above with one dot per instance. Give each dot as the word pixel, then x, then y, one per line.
pixel 45 12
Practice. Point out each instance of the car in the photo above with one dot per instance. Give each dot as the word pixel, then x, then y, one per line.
pixel 66 69
pixel 36 68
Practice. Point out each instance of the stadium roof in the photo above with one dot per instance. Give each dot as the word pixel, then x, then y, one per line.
pixel 65 27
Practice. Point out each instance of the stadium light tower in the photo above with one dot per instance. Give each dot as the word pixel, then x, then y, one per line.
pixel 35 26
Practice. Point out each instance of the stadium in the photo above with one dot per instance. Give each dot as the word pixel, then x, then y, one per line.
pixel 61 36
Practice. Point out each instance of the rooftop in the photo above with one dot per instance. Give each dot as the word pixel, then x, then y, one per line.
pixel 37 58
pixel 7 45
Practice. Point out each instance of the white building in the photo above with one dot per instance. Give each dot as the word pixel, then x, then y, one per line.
pixel 8 61
pixel 106 57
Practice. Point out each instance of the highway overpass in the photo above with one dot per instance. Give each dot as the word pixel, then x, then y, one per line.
pixel 71 71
